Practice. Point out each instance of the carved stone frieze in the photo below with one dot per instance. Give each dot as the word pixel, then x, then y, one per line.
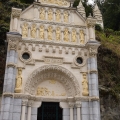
pixel 53 72
pixel 53 60
pixel 6 94
pixel 52 23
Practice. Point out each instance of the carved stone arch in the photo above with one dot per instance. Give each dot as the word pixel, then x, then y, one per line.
pixel 62 75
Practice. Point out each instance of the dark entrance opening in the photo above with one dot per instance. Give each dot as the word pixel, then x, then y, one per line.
pixel 49 111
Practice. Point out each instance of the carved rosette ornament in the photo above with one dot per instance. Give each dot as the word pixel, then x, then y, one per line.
pixel 12 45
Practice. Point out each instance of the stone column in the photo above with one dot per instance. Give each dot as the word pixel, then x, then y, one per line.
pixel 29 110
pixel 78 105
pixel 91 26
pixel 93 80
pixel 15 15
pixel 24 102
pixel 71 106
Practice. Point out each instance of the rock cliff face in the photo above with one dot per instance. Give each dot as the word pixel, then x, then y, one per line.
pixel 108 65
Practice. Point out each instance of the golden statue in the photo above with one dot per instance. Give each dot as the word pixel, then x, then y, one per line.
pixel 58 33
pixel 49 33
pixel 50 14
pixel 42 32
pixel 66 16
pixel 25 30
pixel 66 35
pixel 82 37
pixel 58 16
pixel 18 86
pixel 42 14
pixel 85 85
pixel 33 31
pixel 74 36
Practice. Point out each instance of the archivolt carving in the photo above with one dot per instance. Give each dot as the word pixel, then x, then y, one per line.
pixel 61 74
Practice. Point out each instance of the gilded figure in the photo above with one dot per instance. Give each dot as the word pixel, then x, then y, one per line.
pixel 49 33
pixel 33 31
pixel 66 35
pixel 58 16
pixel 25 30
pixel 58 33
pixel 74 36
pixel 18 86
pixel 85 85
pixel 42 32
pixel 50 14
pixel 42 14
pixel 82 37
pixel 66 16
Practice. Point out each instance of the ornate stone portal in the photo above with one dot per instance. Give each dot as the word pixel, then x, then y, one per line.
pixel 51 57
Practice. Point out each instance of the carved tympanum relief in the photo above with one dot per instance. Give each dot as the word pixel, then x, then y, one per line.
pixel 18 86
pixel 25 30
pixel 82 37
pixel 50 88
pixel 33 31
pixel 42 14
pixel 85 85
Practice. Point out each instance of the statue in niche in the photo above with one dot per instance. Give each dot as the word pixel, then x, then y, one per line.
pixel 85 85
pixel 25 30
pixel 82 37
pixel 66 16
pixel 74 36
pixel 50 14
pixel 58 33
pixel 18 86
pixel 42 32
pixel 58 16
pixel 42 14
pixel 49 33
pixel 66 35
pixel 33 31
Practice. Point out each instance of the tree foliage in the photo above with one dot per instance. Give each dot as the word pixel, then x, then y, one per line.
pixel 111 14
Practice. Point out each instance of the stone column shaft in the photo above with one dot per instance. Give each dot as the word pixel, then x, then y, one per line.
pixel 23 110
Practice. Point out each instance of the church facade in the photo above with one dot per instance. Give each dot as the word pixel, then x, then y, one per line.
pixel 51 68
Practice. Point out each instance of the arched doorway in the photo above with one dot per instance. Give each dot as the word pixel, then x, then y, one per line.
pixel 49 111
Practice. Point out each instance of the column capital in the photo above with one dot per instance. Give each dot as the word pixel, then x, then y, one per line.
pixel 13 38
pixel 30 102
pixel 71 104
pixel 91 21
pixel 16 12
pixel 24 102
pixel 78 104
